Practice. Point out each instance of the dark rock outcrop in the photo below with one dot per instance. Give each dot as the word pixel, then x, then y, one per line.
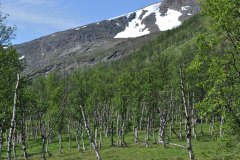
pixel 186 7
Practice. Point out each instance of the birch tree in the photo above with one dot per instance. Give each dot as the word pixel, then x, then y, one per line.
pixel 9 67
pixel 187 112
pixel 217 63
pixel 13 121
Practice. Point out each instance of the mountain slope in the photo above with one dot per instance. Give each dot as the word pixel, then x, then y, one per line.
pixel 102 41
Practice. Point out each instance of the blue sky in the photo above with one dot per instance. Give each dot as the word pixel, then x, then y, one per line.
pixel 36 18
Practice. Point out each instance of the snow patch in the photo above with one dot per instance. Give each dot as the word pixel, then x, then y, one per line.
pixel 185 8
pixel 151 9
pixel 5 47
pixel 42 54
pixel 189 14
pixel 118 24
pixel 169 21
pixel 20 58
pixel 136 28
pixel 80 28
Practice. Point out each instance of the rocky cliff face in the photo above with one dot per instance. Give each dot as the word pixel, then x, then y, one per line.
pixel 186 7
pixel 103 41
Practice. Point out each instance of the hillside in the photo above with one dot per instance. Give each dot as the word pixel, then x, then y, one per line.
pixel 102 41
pixel 133 93
pixel 125 102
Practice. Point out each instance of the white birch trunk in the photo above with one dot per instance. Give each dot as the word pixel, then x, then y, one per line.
pixel 89 134
pixel 14 141
pixel 162 127
pixel 69 139
pixel 23 134
pixel 13 121
pixel 194 118
pixel 136 134
pixel 187 112
pixel 78 138
pixel 221 127
pixel 147 133
pixel 95 137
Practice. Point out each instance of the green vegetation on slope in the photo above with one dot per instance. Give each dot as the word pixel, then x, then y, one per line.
pixel 206 147
pixel 175 98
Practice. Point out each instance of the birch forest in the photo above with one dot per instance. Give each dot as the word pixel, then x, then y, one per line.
pixel 177 94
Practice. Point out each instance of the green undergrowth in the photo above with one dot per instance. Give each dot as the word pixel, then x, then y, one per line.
pixel 205 147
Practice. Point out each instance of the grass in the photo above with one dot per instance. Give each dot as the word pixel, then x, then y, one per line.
pixel 205 147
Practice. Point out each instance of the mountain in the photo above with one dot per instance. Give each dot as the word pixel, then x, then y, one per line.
pixel 105 40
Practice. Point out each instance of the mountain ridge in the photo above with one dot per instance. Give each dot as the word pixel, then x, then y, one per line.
pixel 98 41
